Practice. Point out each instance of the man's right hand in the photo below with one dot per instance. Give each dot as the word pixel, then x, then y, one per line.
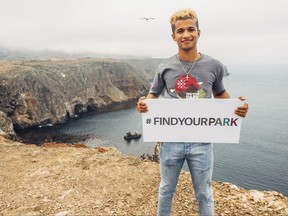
pixel 141 106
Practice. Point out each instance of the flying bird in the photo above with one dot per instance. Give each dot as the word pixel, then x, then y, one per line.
pixel 147 18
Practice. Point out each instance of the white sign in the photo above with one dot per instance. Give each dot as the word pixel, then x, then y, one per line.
pixel 188 120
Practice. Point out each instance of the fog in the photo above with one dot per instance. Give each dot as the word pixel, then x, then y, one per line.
pixel 232 31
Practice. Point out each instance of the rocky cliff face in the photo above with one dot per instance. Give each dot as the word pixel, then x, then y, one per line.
pixel 146 66
pixel 48 92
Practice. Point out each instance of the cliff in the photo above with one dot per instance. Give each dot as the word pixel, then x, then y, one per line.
pixel 49 92
pixel 60 179
pixel 147 66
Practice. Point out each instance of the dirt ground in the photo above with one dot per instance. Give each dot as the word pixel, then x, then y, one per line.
pixel 57 179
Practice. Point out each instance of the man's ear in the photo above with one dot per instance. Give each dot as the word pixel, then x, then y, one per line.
pixel 199 33
pixel 173 36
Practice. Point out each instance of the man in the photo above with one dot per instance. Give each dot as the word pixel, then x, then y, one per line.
pixel 188 74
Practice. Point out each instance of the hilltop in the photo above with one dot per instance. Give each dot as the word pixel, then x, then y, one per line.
pixel 62 179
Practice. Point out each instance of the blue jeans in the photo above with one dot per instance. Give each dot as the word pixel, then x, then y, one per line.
pixel 199 158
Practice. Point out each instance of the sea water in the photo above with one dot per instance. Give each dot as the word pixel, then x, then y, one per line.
pixel 259 161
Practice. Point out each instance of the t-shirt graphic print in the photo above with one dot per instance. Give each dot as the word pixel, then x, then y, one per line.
pixel 189 87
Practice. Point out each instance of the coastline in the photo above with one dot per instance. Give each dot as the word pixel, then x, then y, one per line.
pixel 62 179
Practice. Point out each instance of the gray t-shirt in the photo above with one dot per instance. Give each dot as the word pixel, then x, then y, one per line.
pixel 206 77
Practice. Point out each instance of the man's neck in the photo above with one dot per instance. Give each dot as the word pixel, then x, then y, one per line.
pixel 189 56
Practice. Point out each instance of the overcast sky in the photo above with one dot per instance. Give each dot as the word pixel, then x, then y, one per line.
pixel 246 31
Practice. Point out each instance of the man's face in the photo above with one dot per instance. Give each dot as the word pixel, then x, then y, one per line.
pixel 186 34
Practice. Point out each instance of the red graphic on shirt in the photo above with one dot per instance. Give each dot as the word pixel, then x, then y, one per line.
pixel 186 84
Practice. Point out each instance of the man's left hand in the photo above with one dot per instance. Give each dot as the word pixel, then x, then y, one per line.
pixel 242 110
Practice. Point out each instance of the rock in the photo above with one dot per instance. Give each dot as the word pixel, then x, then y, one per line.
pixel 36 93
pixel 6 126
pixel 257 196
pixel 63 213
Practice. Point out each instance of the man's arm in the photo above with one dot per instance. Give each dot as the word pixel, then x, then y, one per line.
pixel 223 94
pixel 151 96
pixel 240 111
pixel 141 106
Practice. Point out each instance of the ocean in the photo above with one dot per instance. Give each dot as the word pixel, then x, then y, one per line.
pixel 259 161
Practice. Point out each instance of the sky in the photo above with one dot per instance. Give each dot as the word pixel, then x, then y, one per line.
pixel 235 32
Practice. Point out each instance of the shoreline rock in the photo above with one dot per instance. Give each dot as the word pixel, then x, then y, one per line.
pixel 6 127
pixel 62 179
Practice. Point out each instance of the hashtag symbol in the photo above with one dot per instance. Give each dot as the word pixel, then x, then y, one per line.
pixel 148 121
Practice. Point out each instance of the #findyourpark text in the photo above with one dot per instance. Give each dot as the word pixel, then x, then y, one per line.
pixel 205 120
pixel 188 121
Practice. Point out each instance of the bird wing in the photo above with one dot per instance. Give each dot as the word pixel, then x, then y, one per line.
pixel 146 18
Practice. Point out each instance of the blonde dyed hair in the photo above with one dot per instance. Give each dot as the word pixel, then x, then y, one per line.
pixel 183 15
